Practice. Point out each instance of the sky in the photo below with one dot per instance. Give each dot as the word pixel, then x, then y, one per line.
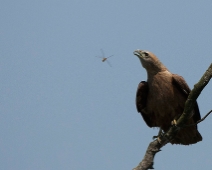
pixel 61 107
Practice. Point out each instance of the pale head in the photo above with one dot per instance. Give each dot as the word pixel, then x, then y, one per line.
pixel 149 61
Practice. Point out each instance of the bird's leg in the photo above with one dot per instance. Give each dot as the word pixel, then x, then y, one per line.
pixel 159 133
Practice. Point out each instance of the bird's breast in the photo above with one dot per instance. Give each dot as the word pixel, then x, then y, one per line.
pixel 161 93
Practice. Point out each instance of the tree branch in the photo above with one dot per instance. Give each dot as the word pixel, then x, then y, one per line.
pixel 199 120
pixel 154 147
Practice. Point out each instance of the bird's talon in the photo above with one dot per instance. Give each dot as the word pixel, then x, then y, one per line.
pixel 159 140
pixel 154 137
pixel 174 122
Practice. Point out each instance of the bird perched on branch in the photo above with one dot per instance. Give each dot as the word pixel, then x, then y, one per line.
pixel 161 99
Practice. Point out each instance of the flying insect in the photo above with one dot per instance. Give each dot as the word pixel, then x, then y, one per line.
pixel 105 58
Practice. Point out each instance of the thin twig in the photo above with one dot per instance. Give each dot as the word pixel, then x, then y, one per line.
pixel 198 120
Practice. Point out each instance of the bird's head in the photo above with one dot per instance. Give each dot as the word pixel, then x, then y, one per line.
pixel 149 61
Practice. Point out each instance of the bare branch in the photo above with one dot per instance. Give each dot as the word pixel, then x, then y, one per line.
pixel 199 120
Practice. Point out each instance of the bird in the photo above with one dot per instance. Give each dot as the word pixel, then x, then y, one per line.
pixel 161 99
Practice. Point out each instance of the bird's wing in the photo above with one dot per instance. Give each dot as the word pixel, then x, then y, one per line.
pixel 182 86
pixel 141 100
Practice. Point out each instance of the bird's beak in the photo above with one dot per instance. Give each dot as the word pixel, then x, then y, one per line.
pixel 138 53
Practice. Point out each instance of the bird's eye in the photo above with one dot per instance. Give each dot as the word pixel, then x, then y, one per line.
pixel 146 54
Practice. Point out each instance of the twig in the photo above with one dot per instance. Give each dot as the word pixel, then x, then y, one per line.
pixel 198 120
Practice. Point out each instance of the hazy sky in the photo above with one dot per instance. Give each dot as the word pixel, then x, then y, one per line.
pixel 61 108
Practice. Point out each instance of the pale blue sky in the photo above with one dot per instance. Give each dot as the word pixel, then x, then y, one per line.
pixel 62 108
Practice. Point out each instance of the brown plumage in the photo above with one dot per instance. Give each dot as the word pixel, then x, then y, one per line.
pixel 161 99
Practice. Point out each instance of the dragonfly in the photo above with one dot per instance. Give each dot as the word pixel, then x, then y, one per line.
pixel 105 58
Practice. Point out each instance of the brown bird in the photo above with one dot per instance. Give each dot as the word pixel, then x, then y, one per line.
pixel 161 99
